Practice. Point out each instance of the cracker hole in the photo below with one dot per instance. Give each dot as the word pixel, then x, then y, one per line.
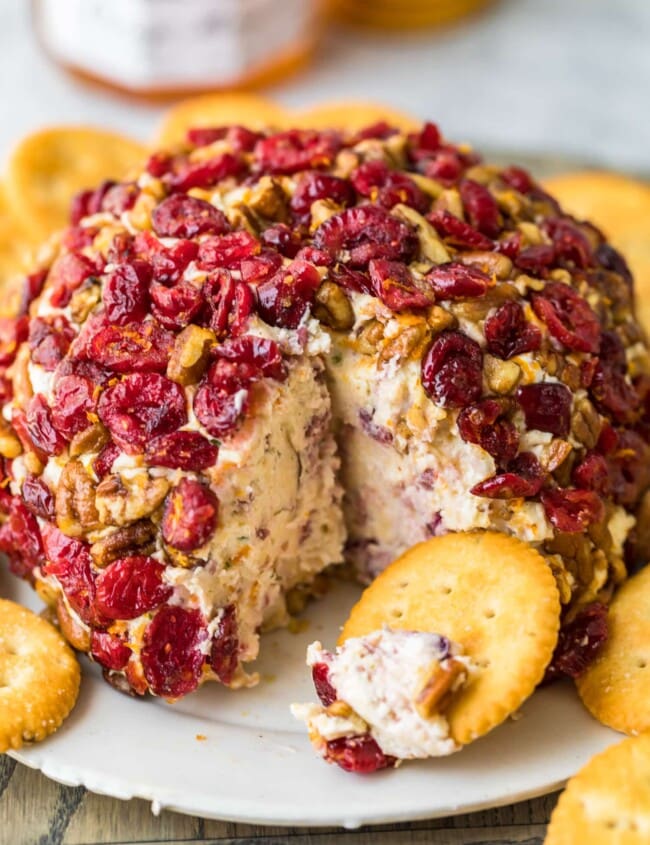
pixel 403 585
pixel 642 664
pixel 489 614
pixel 445 590
pixel 396 613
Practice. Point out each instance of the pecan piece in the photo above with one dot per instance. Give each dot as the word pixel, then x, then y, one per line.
pixel 409 342
pixel 333 307
pixel 91 439
pixel 369 337
pixel 437 691
pixel 431 247
pixel 585 423
pixel 501 376
pixel 77 635
pixel 121 501
pixel 76 513
pixel 190 355
pixel 10 446
pixel 132 539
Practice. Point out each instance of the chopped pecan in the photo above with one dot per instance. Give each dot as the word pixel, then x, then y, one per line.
pixel 410 341
pixel 440 319
pixel 84 300
pixel 121 501
pixel 585 422
pixel 555 454
pixel 91 439
pixel 75 634
pixel 269 200
pixel 436 694
pixel 322 210
pixel 369 337
pixel 502 376
pixel 493 263
pixel 76 513
pixel 136 539
pixel 431 247
pixel 190 355
pixel 333 307
pixel 19 370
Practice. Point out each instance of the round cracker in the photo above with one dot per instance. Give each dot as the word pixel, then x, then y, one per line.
pixel 15 258
pixel 616 687
pixel 354 116
pixel 39 677
pixel 608 801
pixel 49 167
pixel 492 594
pixel 224 109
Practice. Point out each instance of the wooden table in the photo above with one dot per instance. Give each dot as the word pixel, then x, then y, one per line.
pixel 38 811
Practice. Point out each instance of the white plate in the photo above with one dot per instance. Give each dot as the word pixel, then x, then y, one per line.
pixel 256 765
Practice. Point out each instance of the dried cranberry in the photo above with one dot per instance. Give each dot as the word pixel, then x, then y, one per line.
pixel 227 251
pixel 20 539
pixel 359 754
pixel 120 198
pixel 579 643
pixel 130 586
pixel 315 256
pixel 508 333
pixel 485 425
pixel 38 497
pixel 168 263
pixel 68 272
pixel 77 238
pixel 518 178
pixel 159 164
pixel 85 203
pixel 109 651
pixel 74 399
pixel 452 370
pixel 284 299
pixel 629 466
pixel 524 477
pixel 125 294
pixel 592 473
pixel 352 280
pixel 612 260
pixel 568 316
pixel 41 428
pixel 572 511
pixel 314 186
pixel 569 241
pixel 186 450
pixel 175 307
pixel 388 187
pixel 380 130
pixel 263 354
pixel 139 347
pixel 6 387
pixel 180 216
pixel 239 138
pixel 457 232
pixel 203 174
pixel 190 515
pixel 426 141
pixel 49 340
pixel 256 270
pixel 457 281
pixel 296 149
pixel 140 407
pixel 394 284
pixel 610 389
pixel 546 407
pixel 19 425
pixel 224 653
pixel 69 561
pixel 445 165
pixel 220 411
pixel 172 656
pixel 364 232
pixel 536 259
pixel 12 333
pixel 103 463
pixel 509 245
pixel 232 303
pixel 320 674
pixel 480 207
pixel 283 239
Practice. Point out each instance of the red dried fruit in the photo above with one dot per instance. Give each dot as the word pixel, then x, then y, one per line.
pixel 480 207
pixel 546 407
pixel 314 186
pixel 296 149
pixel 572 511
pixel 224 654
pixel 518 178
pixel 168 263
pixel 452 370
pixel 130 586
pixel 284 298
pixel 283 239
pixel 612 260
pixel 612 392
pixel 445 166
pixel 231 302
pixel 456 231
pixel 256 270
pixel 109 651
pixel 6 387
pixel 260 353
pixel 569 317
pixel 352 280
pixel 486 425
pixel 126 293
pixel 394 284
pixel 68 272
pixel 38 497
pixel 20 538
pixel 12 333
pixel 19 425
pixel 219 410
pixel 536 259
pixel 458 281
pixel 508 333
pixel 186 450
pixel 629 466
pixel 524 477
pixel 315 256
pixel 388 187
pixel 509 245
pixel 571 244
pixel 426 141
pixel 175 307
pixel 69 561
pixel 158 164
pixel 202 174
pixel 592 473
pixel 40 427
pixel 227 251
pixel 89 202
pixel 140 407
pixel 326 693
pixel 49 340
pixel 74 398
pixel 380 130
pixel 359 754
pixel 103 463
pixel 190 515
pixel 180 216
pixel 364 232
pixel 172 657
pixel 136 347
pixel 120 198
pixel 239 138
pixel 579 643
pixel 77 238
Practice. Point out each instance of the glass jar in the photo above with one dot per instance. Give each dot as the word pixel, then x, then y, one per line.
pixel 169 47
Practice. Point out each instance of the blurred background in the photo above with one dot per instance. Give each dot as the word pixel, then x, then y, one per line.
pixel 563 76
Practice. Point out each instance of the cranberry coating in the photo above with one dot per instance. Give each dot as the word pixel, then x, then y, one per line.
pixel 130 586
pixel 388 187
pixel 139 347
pixel 40 427
pixel 320 674
pixel 181 216
pixel 20 538
pixel 171 656
pixel 579 643
pixel 568 316
pixel 224 652
pixel 109 651
pixel 69 561
pixel 74 399
pixel 546 407
pixel 190 515
pixel 480 207
pixel 284 299
pixel 485 424
pixel 572 511
pixel 49 340
pixel 508 333
pixel 312 186
pixel 394 284
pixel 364 232
pixel 452 370
pixel 38 497
pixel 187 450
pixel 126 293
pixel 296 149
pixel 457 281
pixel 359 754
